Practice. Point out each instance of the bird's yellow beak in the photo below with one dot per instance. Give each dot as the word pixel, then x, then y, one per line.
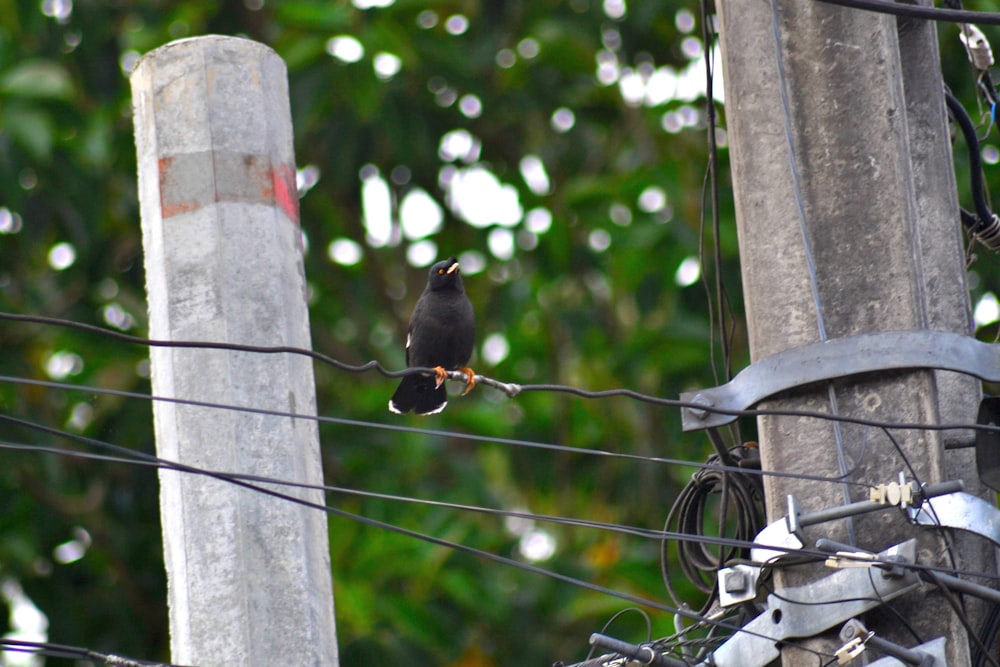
pixel 453 268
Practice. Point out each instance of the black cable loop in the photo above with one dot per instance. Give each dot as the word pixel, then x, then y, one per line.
pixel 986 227
pixel 697 560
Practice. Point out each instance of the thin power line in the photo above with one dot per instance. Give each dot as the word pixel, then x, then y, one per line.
pixel 503 560
pixel 133 457
pixel 242 482
pixel 920 12
pixel 51 650
pixel 342 421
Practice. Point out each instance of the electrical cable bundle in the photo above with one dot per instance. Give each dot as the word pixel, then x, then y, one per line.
pixel 743 493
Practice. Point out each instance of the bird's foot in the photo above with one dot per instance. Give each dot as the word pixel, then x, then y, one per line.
pixel 442 375
pixel 470 380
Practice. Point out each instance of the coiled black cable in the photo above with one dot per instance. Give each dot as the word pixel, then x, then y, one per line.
pixel 739 492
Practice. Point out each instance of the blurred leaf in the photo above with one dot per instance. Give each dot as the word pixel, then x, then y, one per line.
pixel 31 128
pixel 37 78
pixel 316 15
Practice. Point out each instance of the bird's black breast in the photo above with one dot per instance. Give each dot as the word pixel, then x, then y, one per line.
pixel 442 330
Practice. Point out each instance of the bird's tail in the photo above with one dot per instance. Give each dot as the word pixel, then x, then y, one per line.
pixel 419 394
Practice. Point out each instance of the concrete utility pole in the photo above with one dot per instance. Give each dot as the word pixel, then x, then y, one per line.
pixel 248 574
pixel 860 235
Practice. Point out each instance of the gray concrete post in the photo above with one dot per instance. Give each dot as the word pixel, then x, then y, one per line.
pixel 867 239
pixel 248 575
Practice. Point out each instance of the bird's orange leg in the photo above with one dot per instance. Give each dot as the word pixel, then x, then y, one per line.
pixel 442 375
pixel 470 381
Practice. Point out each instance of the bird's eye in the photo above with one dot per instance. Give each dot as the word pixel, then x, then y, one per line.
pixel 440 272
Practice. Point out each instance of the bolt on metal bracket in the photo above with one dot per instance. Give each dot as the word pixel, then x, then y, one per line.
pixel 837 358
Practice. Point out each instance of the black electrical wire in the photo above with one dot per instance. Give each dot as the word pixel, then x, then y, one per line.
pixel 133 457
pixel 738 413
pixel 985 80
pixel 985 215
pixel 644 533
pixel 945 536
pixel 401 428
pixel 918 11
pixel 680 639
pixel 407 532
pixel 721 297
pixel 374 365
pixel 461 548
pixel 959 609
pixel 51 650
pixel 988 633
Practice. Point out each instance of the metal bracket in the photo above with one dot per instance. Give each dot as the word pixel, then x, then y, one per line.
pixel 963 511
pixel 807 610
pixel 840 357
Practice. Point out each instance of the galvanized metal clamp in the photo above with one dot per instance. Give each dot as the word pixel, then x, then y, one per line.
pixel 837 358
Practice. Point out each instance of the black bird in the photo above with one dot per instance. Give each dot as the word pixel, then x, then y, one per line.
pixel 441 334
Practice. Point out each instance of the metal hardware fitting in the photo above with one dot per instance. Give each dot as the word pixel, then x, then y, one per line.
pixel 784 535
pixel 843 559
pixel 893 493
pixel 804 611
pixel 935 649
pixel 640 653
pixel 837 358
pixel 738 583
pixel 977 47
pixel 854 631
pixel 963 511
pixel 851 650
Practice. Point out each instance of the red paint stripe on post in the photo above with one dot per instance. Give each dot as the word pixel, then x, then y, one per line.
pixel 191 181
pixel 286 191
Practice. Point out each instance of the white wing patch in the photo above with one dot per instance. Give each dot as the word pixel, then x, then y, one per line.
pixel 407 341
pixel 435 411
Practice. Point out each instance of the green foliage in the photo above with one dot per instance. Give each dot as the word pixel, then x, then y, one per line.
pixel 590 301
